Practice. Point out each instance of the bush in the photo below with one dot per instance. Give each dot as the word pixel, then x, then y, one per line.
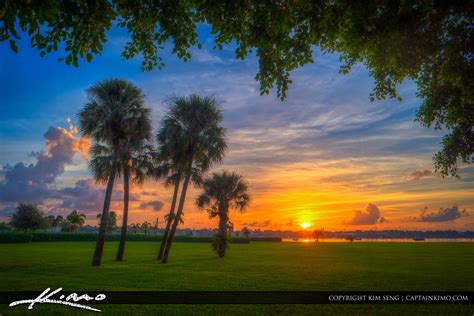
pixel 183 238
pixel 139 237
pixel 267 239
pixel 239 240
pixel 39 237
pixel 220 244
pixel 43 236
pixel 12 238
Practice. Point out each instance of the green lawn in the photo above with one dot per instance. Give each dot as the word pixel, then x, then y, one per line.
pixel 254 266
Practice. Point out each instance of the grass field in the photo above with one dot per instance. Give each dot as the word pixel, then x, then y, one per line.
pixel 254 266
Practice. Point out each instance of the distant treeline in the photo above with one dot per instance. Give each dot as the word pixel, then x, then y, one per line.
pixel 13 237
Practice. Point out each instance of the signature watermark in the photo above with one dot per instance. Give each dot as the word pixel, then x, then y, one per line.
pixel 53 297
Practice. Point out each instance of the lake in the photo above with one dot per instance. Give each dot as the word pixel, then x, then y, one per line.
pixel 309 240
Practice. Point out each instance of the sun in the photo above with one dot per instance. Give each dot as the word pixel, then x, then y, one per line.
pixel 305 225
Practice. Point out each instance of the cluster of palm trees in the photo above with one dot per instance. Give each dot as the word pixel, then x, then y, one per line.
pixel 71 223
pixel 189 141
pixel 145 227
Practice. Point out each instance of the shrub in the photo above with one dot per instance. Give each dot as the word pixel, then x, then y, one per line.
pixel 11 238
pixel 40 237
pixel 4 227
pixel 239 240
pixel 45 237
pixel 267 239
pixel 183 238
pixel 220 244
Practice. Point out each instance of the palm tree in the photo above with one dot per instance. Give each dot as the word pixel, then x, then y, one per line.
pixel 137 159
pixel 174 179
pixel 76 220
pixel 223 191
pixel 192 138
pixel 146 227
pixel 113 116
pixel 135 227
pixel 111 221
pixel 57 221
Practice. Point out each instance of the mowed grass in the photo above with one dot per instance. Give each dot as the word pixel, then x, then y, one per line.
pixel 254 266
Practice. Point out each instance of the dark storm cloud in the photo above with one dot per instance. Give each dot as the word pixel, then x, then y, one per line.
pixel 442 215
pixel 153 205
pixel 370 216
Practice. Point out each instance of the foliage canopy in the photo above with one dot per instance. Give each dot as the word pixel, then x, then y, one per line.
pixel 428 42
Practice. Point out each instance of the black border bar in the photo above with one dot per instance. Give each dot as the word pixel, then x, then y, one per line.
pixel 256 297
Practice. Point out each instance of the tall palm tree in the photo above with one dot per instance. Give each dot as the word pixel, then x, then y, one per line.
pixel 192 138
pixel 137 159
pixel 223 191
pixel 76 219
pixel 174 179
pixel 113 116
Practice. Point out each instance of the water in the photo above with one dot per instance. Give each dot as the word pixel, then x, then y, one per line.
pixel 310 240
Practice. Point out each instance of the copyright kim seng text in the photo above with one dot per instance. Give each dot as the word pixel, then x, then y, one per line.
pixel 398 298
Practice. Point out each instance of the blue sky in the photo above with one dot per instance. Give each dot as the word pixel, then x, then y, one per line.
pixel 325 139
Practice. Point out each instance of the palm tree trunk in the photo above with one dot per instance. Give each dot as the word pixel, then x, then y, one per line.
pixel 99 247
pixel 170 219
pixel 176 219
pixel 123 235
pixel 223 219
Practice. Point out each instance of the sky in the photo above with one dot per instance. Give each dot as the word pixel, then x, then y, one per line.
pixel 326 155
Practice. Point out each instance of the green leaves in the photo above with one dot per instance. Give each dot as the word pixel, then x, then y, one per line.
pixel 13 46
pixel 191 137
pixel 429 43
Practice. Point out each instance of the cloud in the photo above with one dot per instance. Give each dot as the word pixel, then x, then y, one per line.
pixel 418 174
pixel 8 211
pixel 370 216
pixel 31 182
pixel 442 215
pixel 37 182
pixel 204 56
pixel 153 205
pixel 264 223
pixel 84 196
pixel 87 196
